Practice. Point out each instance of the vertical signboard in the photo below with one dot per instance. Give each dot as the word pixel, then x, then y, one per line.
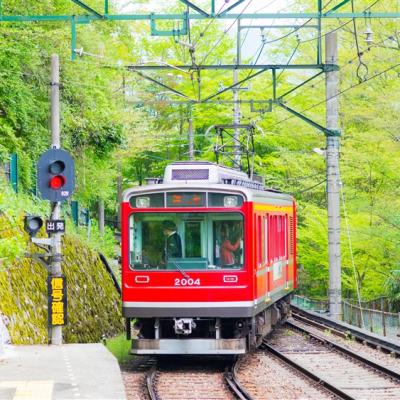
pixel 57 300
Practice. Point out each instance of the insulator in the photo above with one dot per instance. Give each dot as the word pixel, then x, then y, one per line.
pixel 368 36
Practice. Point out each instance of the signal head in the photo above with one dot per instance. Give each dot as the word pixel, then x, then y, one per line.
pixel 32 224
pixel 55 175
pixel 57 167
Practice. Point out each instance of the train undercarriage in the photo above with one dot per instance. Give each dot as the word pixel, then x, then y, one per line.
pixel 204 335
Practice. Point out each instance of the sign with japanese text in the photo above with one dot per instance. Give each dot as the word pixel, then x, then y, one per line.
pixel 57 300
pixel 55 226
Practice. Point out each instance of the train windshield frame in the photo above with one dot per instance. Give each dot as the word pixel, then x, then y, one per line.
pixel 196 241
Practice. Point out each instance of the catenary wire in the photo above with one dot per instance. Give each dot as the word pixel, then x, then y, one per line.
pixel 341 92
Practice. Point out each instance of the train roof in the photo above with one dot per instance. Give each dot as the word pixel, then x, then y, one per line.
pixel 207 176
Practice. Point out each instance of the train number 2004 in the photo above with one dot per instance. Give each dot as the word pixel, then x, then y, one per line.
pixel 187 282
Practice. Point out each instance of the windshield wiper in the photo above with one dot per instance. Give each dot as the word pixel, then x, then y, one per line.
pixel 181 270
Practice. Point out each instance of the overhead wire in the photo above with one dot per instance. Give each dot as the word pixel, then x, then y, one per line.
pixel 342 67
pixel 340 93
pixel 351 251
pixel 208 26
pixel 224 33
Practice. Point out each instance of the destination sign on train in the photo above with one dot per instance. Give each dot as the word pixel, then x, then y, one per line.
pixel 180 199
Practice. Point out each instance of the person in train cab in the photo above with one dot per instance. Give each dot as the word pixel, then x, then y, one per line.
pixel 227 258
pixel 173 244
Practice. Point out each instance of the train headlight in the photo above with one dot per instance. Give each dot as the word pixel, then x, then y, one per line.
pixel 143 202
pixel 230 201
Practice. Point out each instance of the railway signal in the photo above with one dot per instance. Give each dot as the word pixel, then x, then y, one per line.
pixel 32 224
pixel 56 175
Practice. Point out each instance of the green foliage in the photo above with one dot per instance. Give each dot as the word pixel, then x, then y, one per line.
pixel 94 304
pixel 111 134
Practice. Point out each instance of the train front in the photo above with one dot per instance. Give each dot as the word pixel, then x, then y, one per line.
pixel 186 288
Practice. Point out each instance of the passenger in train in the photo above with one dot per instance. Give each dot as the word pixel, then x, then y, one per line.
pixel 173 244
pixel 227 248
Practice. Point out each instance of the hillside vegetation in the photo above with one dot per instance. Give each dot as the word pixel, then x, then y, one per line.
pixel 94 306
pixel 116 123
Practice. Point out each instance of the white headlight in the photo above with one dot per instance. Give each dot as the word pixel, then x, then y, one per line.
pixel 143 202
pixel 230 201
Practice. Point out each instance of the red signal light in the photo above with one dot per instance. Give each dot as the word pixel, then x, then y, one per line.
pixel 56 182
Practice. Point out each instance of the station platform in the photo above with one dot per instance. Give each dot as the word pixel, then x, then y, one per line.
pixel 67 372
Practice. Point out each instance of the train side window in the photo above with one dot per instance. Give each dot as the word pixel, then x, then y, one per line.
pixel 265 256
pixel 259 240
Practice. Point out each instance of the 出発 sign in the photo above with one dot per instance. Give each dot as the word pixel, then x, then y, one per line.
pixel 57 300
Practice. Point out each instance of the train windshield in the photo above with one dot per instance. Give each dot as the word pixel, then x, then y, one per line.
pixel 186 241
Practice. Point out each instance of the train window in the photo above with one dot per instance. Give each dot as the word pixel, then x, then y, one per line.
pixel 259 240
pixel 186 241
pixel 265 256
pixel 155 200
pixel 277 230
pixel 218 199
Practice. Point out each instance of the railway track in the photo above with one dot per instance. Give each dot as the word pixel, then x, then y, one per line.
pixel 345 330
pixel 342 372
pixel 187 382
pixel 231 379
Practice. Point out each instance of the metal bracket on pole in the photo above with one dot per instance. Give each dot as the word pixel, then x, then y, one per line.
pixel 173 32
pixel 87 8
pixel 340 5
pixel 194 7
pixel 231 7
pixel 260 110
pixel 330 67
pixel 43 241
pixel 326 131
pixel 39 258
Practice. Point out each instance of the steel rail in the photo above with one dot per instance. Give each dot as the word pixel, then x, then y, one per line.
pixel 233 383
pixel 361 335
pixel 336 346
pixel 150 377
pixel 326 384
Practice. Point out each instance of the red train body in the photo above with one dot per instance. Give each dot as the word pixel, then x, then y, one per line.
pixel 208 260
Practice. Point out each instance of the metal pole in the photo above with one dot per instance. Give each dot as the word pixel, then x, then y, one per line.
pixel 236 106
pixel 55 207
pixel 333 179
pixel 236 121
pixel 119 192
pixel 191 137
pixel 101 216
pixel 73 38
pixel 319 42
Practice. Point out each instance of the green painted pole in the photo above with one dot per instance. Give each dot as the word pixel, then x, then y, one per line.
pixel 274 83
pixel 75 212
pixel 212 8
pixel 319 44
pixel 105 7
pixel 73 38
pixel 149 17
pixel 14 171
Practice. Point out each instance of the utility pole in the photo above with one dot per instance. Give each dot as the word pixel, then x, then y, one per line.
pixel 333 177
pixel 236 105
pixel 55 207
pixel 190 136
pixel 236 121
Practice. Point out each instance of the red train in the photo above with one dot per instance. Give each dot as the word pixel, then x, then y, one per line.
pixel 208 260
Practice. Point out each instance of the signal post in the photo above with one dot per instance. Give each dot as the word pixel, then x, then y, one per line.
pixel 56 183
